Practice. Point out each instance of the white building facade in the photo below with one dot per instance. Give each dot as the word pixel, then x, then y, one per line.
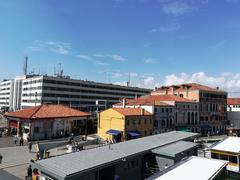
pixel 11 94
pixel 233 110
pixel 29 91
pixel 6 91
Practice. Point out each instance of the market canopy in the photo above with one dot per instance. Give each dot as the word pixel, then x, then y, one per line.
pixel 134 133
pixel 113 132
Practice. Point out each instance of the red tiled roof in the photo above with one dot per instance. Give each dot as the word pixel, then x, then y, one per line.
pixel 154 100
pixel 195 86
pixel 191 86
pixel 233 101
pixel 47 111
pixel 132 111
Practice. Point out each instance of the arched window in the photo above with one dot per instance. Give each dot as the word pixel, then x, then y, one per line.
pixel 170 123
pixel 183 117
pixel 163 123
pixel 189 117
pixel 196 118
pixel 192 118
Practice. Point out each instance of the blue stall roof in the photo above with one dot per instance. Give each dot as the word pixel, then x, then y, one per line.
pixel 134 133
pixel 113 132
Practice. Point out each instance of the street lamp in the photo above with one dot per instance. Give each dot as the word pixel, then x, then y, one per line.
pixel 35 98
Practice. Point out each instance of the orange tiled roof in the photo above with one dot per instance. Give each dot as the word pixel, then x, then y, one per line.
pixel 132 111
pixel 191 86
pixel 155 100
pixel 233 101
pixel 47 111
pixel 195 86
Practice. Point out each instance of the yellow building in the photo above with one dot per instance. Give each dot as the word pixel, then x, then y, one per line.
pixel 121 124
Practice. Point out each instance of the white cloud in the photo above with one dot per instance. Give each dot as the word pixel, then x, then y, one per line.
pixel 59 47
pixel 177 7
pixel 218 45
pixel 227 81
pixel 53 46
pixel 114 57
pixel 123 83
pixel 85 57
pixel 149 82
pixel 117 57
pixel 149 61
pixel 34 48
pixel 101 63
pixel 123 74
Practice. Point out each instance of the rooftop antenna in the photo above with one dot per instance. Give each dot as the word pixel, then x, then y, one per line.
pixel 54 71
pixel 25 66
pixel 128 83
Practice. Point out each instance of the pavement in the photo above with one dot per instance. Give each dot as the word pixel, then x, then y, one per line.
pixel 4 175
pixel 15 156
pixel 15 159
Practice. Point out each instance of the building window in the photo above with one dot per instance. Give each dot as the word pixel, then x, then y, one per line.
pixel 155 123
pixel 233 159
pixel 184 117
pixel 155 110
pixel 163 123
pixel 189 117
pixel 145 121
pixel 127 122
pixel 139 121
pixel 176 116
pixel 36 129
pixel 162 110
pixel 192 118
pixel 196 118
pixel 134 122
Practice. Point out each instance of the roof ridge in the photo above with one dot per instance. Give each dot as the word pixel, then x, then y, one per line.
pixel 35 111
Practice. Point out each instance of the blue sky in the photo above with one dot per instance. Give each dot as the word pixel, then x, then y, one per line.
pixel 154 42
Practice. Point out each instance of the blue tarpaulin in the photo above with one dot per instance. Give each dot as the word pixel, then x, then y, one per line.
pixel 134 133
pixel 113 132
pixel 206 126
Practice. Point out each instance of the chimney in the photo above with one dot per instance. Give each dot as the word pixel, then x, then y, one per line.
pixel 172 89
pixel 187 91
pixel 124 102
pixel 217 88
pixel 142 111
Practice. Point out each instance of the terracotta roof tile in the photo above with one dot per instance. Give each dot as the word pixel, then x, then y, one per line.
pixel 132 111
pixel 47 111
pixel 233 101
pixel 191 86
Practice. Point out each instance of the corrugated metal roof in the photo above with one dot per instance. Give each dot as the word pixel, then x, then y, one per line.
pixel 190 169
pixel 175 148
pixel 78 162
pixel 230 144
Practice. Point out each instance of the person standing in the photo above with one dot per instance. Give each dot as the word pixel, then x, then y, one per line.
pixel 29 171
pixel 30 146
pixel 21 141
pixel 1 159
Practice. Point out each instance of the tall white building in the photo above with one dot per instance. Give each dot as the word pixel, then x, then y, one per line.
pixel 6 91
pixel 35 90
pixel 11 93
